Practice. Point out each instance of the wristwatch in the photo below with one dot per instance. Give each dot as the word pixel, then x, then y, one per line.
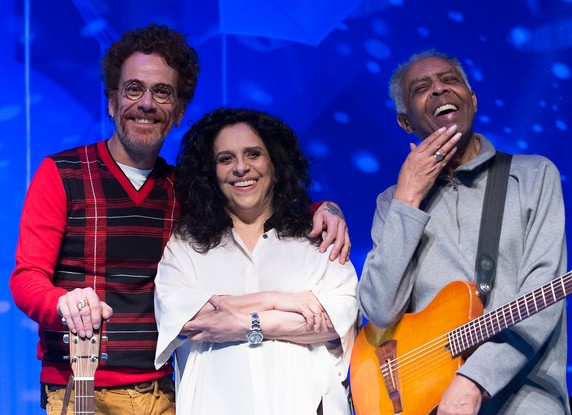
pixel 254 335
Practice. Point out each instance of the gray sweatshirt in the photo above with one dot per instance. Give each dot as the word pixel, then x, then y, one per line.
pixel 417 252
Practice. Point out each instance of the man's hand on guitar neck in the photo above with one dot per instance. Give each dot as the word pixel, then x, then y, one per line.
pixel 462 397
pixel 83 311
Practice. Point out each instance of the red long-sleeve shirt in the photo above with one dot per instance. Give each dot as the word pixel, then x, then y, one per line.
pixel 43 229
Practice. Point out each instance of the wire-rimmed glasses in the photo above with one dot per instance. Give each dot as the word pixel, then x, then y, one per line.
pixel 161 93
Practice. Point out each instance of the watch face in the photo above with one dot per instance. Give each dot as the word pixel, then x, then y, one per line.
pixel 254 337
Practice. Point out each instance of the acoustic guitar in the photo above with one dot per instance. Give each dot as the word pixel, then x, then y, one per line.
pixel 84 359
pixel 406 368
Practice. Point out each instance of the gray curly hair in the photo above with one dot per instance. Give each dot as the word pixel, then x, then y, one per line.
pixel 395 89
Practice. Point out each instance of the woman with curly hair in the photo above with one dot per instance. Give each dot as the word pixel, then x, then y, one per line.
pixel 259 320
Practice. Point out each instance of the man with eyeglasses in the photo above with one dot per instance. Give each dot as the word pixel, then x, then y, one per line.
pixel 94 224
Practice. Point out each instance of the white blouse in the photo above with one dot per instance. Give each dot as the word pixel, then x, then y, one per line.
pixel 276 377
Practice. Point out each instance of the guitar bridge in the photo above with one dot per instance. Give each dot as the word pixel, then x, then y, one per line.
pixel 386 353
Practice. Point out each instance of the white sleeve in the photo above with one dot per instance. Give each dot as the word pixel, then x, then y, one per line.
pixel 336 291
pixel 178 296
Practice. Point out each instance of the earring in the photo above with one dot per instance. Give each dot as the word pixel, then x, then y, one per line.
pixel 111 118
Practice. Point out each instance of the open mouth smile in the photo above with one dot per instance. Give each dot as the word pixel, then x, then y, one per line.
pixel 144 120
pixel 244 183
pixel 445 109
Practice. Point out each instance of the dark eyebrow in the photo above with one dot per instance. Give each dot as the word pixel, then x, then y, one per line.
pixel 224 152
pixel 258 148
pixel 428 77
pixel 447 72
pixel 133 81
pixel 137 81
pixel 418 80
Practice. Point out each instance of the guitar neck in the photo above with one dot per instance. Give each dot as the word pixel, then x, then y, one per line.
pixel 84 390
pixel 483 328
pixel 84 359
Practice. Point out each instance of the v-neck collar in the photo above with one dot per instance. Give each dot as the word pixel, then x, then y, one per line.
pixel 138 196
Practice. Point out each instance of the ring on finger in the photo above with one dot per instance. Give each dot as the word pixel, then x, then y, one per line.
pixel 438 156
pixel 81 304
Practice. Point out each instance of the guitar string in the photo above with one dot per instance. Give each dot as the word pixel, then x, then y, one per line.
pixel 421 366
pixel 85 369
pixel 438 358
pixel 538 300
pixel 404 374
pixel 474 328
pixel 409 369
pixel 528 297
pixel 401 366
pixel 424 353
pixel 84 405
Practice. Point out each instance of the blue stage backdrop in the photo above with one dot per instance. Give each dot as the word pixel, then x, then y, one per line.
pixel 322 66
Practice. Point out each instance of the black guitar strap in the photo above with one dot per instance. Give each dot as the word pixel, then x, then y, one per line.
pixel 491 224
pixel 67 396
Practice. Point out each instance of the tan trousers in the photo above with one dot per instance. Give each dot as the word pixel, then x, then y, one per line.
pixel 118 402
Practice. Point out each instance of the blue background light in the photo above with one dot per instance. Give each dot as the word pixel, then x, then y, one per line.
pixel 322 66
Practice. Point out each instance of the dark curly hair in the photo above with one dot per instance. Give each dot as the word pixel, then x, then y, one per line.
pixel 160 40
pixel 204 218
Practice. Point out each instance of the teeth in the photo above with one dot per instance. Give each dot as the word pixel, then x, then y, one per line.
pixel 143 120
pixel 245 183
pixel 443 108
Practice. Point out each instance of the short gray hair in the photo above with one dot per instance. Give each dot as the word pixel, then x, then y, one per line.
pixel 395 89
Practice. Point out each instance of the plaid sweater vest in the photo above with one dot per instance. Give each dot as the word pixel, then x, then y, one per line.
pixel 113 242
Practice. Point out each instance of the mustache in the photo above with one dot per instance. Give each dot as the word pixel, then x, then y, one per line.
pixel 151 113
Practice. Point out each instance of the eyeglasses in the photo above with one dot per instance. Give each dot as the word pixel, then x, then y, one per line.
pixel 161 93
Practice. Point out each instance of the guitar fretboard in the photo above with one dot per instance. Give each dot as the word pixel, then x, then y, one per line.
pixel 483 328
pixel 84 390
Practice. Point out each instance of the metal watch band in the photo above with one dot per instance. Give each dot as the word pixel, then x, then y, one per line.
pixel 255 325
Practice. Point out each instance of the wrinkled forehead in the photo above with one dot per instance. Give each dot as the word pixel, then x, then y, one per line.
pixel 150 69
pixel 427 68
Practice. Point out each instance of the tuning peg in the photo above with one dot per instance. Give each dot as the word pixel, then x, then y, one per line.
pixel 66 338
pixel 104 356
pixel 104 338
pixel 64 321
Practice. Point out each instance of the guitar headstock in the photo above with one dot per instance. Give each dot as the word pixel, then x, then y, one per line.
pixel 84 354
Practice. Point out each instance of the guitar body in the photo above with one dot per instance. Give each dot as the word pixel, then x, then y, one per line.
pixel 424 365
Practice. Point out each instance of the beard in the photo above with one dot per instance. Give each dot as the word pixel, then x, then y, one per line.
pixel 139 144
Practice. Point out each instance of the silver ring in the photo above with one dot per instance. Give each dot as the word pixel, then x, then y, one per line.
pixel 438 156
pixel 81 304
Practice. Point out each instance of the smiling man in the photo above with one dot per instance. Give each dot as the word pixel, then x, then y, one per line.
pixel 143 120
pixel 93 227
pixel 425 235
